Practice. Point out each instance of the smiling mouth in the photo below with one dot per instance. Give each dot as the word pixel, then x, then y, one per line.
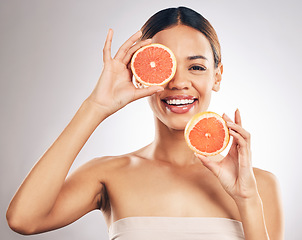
pixel 179 100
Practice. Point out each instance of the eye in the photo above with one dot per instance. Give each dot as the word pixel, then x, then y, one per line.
pixel 197 68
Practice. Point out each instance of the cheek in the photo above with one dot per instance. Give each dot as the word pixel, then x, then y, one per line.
pixel 152 100
pixel 204 83
pixel 203 86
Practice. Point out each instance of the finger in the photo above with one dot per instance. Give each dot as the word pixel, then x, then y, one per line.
pixel 238 117
pixel 237 128
pixel 243 144
pixel 121 53
pixel 133 49
pixel 144 92
pixel 107 46
pixel 211 165
pixel 227 118
pixel 243 149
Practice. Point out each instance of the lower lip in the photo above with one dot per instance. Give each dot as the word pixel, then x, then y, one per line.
pixel 181 109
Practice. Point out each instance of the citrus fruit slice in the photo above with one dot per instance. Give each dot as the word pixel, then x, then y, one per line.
pixel 154 64
pixel 207 134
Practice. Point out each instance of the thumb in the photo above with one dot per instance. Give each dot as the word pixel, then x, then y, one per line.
pixel 211 165
pixel 144 92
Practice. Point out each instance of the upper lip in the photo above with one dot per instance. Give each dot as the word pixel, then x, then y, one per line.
pixel 179 97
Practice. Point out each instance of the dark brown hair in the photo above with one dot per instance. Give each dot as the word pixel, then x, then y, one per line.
pixel 170 17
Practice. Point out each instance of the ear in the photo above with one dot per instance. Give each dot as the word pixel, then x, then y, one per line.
pixel 218 77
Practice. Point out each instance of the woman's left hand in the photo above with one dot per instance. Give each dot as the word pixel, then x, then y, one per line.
pixel 235 171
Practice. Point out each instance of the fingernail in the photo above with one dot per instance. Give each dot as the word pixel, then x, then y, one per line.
pixel 197 155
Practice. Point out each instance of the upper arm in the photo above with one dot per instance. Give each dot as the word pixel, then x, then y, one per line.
pixel 80 194
pixel 269 191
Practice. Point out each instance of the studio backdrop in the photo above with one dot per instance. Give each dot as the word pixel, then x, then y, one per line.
pixel 51 59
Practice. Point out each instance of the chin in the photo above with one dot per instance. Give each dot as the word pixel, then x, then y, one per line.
pixel 174 123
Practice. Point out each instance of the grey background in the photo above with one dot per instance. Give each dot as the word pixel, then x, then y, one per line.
pixel 50 60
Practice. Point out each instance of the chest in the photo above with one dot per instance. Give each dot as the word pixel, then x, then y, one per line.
pixel 162 191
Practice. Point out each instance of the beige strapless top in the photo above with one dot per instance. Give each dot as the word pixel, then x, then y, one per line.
pixel 176 228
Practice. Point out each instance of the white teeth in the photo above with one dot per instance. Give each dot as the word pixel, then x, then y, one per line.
pixel 180 102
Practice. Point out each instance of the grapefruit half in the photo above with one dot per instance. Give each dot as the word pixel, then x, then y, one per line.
pixel 154 64
pixel 207 133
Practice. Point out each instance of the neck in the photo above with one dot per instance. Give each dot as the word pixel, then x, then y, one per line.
pixel 170 146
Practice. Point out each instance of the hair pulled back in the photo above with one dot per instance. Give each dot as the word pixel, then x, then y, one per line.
pixel 170 17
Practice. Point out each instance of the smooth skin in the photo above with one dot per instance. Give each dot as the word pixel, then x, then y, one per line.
pixel 164 178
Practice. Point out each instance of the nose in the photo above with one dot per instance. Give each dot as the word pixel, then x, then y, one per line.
pixel 179 82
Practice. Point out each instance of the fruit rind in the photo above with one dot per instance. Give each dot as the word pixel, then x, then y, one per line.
pixel 195 119
pixel 153 45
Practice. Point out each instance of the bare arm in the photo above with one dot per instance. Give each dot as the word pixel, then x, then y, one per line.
pixel 45 200
pixel 34 201
pixel 262 216
pixel 269 191
pixel 256 195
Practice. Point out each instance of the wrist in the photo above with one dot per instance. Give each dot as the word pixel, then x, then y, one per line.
pixel 96 113
pixel 249 204
pixel 96 109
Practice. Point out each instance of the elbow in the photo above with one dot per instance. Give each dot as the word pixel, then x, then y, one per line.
pixel 19 225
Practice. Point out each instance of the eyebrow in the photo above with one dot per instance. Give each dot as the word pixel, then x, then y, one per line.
pixel 197 57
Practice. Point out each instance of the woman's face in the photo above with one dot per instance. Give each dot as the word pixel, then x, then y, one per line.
pixel 189 92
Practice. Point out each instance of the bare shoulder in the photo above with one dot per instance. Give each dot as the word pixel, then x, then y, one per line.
pixel 266 181
pixel 268 186
pixel 265 177
pixel 103 166
pixel 111 161
pixel 269 191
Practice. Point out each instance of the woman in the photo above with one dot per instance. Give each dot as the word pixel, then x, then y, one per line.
pixel 162 191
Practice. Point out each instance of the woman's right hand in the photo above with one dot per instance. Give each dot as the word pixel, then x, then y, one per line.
pixel 114 88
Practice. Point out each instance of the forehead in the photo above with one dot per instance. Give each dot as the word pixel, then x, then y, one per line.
pixel 184 41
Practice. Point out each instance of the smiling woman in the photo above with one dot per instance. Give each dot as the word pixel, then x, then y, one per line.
pixel 195 78
pixel 163 190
